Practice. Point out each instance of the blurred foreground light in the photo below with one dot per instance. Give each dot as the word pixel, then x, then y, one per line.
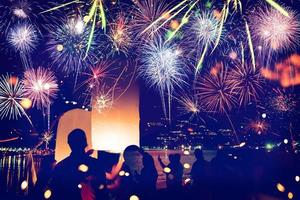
pixel 186 165
pixel 297 178
pixel 122 173
pixel 26 103
pixel 186 181
pixel 290 195
pixel 24 185
pixel 47 194
pixel 280 187
pixel 134 197
pixel 242 144
pixel 83 168
pixel 167 170
pixel 101 187
pixel 285 141
pixel 186 152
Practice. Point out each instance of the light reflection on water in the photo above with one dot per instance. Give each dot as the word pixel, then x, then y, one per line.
pixel 14 170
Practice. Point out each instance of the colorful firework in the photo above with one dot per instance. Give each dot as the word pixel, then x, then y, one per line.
pixel 145 14
pixel 23 37
pixel 162 67
pixel 273 30
pixel 215 92
pixel 103 101
pixel 189 105
pixel 67 46
pixel 15 11
pixel 258 126
pixel 120 34
pixel 204 28
pixel 11 96
pixel 246 83
pixel 46 138
pixel 95 78
pixel 40 86
pixel 282 102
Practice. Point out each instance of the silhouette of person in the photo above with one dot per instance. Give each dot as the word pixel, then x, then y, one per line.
pixel 130 174
pixel 174 177
pixel 199 170
pixel 78 176
pixel 149 173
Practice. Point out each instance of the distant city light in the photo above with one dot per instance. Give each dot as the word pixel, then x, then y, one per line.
pixel 269 146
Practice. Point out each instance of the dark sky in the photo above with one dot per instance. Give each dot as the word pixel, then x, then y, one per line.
pixel 150 106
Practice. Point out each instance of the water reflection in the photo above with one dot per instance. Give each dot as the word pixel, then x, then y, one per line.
pixel 14 170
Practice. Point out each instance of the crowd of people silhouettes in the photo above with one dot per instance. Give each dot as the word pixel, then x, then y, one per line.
pixel 80 176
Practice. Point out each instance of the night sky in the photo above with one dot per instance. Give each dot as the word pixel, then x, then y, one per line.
pixel 280 123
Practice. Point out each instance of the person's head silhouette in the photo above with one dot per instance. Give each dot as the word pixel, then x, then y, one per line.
pixel 199 154
pixel 133 158
pixel 77 141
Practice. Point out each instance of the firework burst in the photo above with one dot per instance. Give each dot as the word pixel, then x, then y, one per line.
pixel 23 37
pixel 162 67
pixel 103 101
pixel 189 105
pixel 11 96
pixel 146 12
pixel 215 92
pixel 120 34
pixel 204 28
pixel 282 102
pixel 67 46
pixel 258 126
pixel 40 86
pixel 15 11
pixel 275 31
pixel 246 83
pixel 46 138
